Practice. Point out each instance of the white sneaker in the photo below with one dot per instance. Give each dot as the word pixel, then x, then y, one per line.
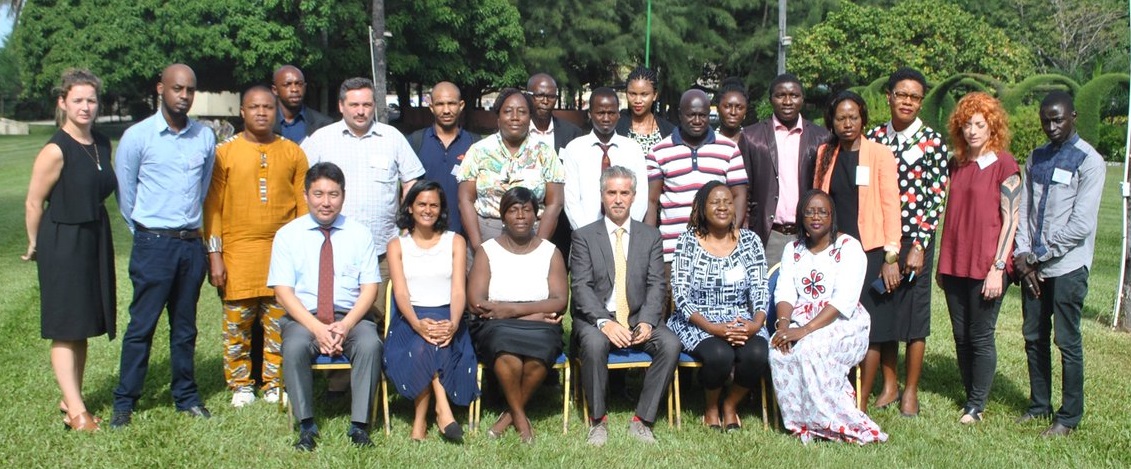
pixel 242 398
pixel 271 396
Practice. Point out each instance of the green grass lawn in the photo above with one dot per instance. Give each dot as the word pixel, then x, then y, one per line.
pixel 260 436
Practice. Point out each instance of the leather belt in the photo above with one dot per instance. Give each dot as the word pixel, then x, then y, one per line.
pixel 179 234
pixel 790 229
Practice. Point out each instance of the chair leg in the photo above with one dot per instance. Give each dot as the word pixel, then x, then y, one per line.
pixel 765 409
pixel 477 405
pixel 678 404
pixel 385 404
pixel 565 399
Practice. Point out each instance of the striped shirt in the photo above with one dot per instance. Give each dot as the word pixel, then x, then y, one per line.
pixel 683 171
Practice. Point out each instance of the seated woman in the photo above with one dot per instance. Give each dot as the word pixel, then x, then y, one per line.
pixel 517 291
pixel 428 352
pixel 822 330
pixel 719 285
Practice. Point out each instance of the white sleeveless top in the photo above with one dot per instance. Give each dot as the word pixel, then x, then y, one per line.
pixel 519 277
pixel 428 272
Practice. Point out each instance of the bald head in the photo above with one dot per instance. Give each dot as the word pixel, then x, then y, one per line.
pixel 539 78
pixel 177 89
pixel 286 69
pixel 544 90
pixel 694 116
pixel 446 106
pixel 289 85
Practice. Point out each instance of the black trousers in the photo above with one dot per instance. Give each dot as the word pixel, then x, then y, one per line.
pixel 750 362
pixel 974 321
pixel 1058 310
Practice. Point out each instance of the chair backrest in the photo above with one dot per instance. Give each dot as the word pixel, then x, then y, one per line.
pixel 390 305
pixel 771 306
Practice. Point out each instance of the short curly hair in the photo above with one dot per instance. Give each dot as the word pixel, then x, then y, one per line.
pixel 989 107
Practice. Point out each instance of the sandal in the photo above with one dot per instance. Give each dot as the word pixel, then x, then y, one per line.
pixel 970 417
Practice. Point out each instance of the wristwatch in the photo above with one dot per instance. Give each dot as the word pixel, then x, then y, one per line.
pixel 999 265
pixel 1031 258
pixel 890 257
pixel 601 323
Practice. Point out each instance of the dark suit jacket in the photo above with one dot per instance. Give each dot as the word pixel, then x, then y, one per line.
pixel 760 154
pixel 591 269
pixel 314 120
pixel 564 132
pixel 625 123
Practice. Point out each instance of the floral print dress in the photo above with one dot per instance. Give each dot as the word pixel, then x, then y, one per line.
pixel 811 381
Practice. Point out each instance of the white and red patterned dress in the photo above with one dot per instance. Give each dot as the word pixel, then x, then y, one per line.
pixel 811 381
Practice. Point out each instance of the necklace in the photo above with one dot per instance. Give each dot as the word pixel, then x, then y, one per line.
pixel 93 157
pixel 514 247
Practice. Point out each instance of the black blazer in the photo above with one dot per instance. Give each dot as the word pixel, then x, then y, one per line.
pixel 760 154
pixel 314 120
pixel 625 123
pixel 564 132
pixel 592 274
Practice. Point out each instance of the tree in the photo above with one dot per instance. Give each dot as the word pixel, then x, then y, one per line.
pixel 9 80
pixel 851 46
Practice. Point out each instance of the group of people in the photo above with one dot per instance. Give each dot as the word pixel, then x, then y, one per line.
pixel 485 241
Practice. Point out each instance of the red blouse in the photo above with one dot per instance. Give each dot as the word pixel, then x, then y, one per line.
pixel 973 221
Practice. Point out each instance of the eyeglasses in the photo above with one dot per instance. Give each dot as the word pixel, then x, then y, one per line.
pixel 816 213
pixel 545 96
pixel 907 97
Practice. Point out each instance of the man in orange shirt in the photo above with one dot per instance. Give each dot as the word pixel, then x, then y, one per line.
pixel 257 187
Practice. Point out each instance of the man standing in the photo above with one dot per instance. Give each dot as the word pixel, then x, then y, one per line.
pixel 680 164
pixel 441 146
pixel 295 121
pixel 780 154
pixel 257 187
pixel 1055 242
pixel 324 272
pixel 164 164
pixel 587 157
pixel 375 158
pixel 555 133
pixel 618 299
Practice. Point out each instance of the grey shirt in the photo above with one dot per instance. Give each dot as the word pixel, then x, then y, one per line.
pixel 1067 236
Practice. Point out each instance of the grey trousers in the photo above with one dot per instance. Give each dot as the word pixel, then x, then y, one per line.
pixel 593 350
pixel 363 346
pixel 775 245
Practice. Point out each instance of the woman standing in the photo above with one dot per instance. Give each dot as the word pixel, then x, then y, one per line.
pixel 977 240
pixel 822 329
pixel 428 353
pixel 504 161
pixel 719 285
pixel 70 240
pixel 639 122
pixel 921 160
pixel 517 290
pixel 732 103
pixel 861 178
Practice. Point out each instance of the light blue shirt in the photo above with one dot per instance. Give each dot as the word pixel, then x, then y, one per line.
pixel 296 251
pixel 163 175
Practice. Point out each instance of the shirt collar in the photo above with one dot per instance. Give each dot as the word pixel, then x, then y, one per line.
pixel 372 130
pixel 597 141
pixel 611 227
pixel 312 223
pixel 549 128
pixel 798 127
pixel 708 139
pixel 907 133
pixel 300 116
pixel 163 125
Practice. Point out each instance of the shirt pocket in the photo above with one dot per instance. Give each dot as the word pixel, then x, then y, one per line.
pixel 349 279
pixel 383 171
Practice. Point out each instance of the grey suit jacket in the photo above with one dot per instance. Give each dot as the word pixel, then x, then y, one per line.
pixel 591 269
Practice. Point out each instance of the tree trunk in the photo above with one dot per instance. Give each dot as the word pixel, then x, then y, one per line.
pixel 380 68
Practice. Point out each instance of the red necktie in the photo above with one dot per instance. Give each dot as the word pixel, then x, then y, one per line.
pixel 605 163
pixel 326 279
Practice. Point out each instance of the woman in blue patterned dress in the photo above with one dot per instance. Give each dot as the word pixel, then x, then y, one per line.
pixel 719 285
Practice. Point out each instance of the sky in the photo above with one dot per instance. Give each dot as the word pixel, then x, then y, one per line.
pixel 5 24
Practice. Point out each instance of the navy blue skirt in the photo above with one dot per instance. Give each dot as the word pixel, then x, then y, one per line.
pixel 411 362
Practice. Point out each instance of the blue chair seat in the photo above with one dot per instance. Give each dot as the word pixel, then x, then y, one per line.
pixel 622 356
pixel 686 360
pixel 328 360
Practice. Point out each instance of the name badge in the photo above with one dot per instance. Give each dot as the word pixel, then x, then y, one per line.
pixel 455 170
pixel 863 175
pixel 735 274
pixel 1061 176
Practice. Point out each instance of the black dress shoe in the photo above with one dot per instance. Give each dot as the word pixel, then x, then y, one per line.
pixel 197 411
pixel 1057 429
pixel 453 433
pixel 359 437
pixel 121 419
pixel 306 441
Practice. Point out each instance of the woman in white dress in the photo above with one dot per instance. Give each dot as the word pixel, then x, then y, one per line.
pixel 822 330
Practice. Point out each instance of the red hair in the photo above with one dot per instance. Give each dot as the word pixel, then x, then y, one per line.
pixel 998 121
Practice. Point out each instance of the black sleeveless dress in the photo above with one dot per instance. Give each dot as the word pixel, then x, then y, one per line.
pixel 74 250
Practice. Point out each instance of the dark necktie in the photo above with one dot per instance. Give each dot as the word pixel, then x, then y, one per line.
pixel 326 279
pixel 605 163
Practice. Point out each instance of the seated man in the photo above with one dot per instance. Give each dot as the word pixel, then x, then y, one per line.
pixel 618 286
pixel 324 272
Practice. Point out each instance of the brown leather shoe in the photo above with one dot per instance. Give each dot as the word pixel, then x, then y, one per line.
pixel 83 422
pixel 1056 429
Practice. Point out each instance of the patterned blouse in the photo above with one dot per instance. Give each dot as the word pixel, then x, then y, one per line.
pixel 495 171
pixel 646 141
pixel 719 288
pixel 921 162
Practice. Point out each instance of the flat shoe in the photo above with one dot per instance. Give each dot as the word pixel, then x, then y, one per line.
pixel 452 432
pixel 733 427
pixel 971 417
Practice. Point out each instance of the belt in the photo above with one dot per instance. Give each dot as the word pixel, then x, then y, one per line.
pixel 790 229
pixel 179 234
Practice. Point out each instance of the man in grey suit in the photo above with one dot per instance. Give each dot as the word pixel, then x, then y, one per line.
pixel 605 315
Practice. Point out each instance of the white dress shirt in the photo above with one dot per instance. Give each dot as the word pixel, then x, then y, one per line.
pixel 582 161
